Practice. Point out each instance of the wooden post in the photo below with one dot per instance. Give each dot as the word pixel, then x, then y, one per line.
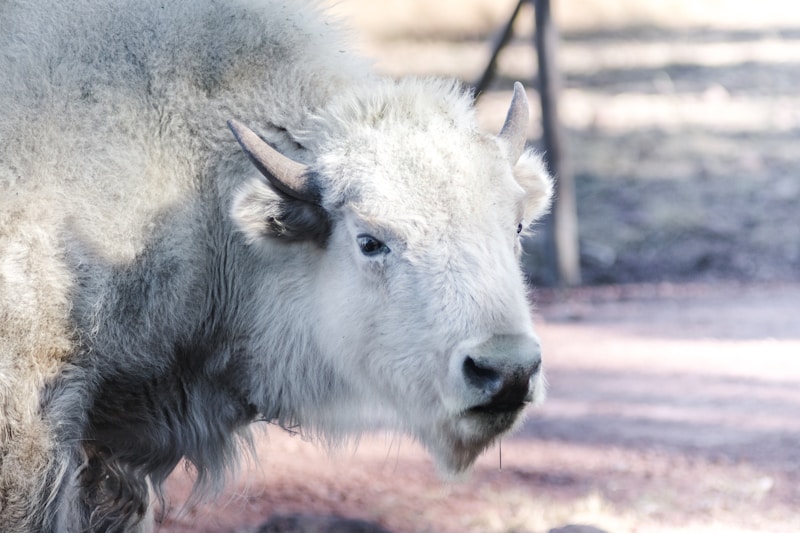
pixel 500 43
pixel 562 225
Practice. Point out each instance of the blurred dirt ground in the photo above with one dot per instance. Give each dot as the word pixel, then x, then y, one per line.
pixel 672 408
pixel 675 384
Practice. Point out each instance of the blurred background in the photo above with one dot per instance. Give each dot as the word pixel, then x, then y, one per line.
pixel 682 120
pixel 674 367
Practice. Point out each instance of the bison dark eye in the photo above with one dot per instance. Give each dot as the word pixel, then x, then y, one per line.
pixel 370 246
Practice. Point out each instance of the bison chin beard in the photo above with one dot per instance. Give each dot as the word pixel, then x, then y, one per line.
pixel 457 441
pixel 456 444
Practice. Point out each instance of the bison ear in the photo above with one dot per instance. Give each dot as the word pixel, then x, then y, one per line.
pixel 261 212
pixel 286 204
pixel 531 174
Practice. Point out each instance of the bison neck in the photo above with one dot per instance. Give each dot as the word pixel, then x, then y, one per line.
pixel 149 423
pixel 184 360
pixel 168 365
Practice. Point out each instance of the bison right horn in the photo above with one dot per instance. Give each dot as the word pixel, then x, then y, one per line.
pixel 285 174
pixel 514 131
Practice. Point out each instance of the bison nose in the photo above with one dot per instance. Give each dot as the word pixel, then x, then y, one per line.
pixel 499 372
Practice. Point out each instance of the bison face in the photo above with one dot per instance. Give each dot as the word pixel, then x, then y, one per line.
pixel 415 301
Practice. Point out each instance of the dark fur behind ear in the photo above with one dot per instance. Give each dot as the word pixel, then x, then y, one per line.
pixel 262 212
pixel 296 221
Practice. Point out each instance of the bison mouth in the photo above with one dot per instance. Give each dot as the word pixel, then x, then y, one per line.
pixel 461 439
pixel 510 400
pixel 497 410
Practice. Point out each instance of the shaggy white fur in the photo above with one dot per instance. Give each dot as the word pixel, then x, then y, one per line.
pixel 158 294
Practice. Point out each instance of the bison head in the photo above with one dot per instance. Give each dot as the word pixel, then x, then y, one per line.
pixel 403 231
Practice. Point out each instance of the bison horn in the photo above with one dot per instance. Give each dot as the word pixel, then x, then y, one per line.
pixel 285 174
pixel 514 131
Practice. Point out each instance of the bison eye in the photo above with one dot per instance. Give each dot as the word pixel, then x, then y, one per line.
pixel 370 246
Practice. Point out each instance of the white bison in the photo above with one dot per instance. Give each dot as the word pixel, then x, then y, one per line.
pixel 350 262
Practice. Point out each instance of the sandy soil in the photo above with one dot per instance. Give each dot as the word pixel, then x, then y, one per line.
pixel 671 408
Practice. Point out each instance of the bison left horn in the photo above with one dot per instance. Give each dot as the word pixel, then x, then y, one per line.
pixel 514 131
pixel 285 174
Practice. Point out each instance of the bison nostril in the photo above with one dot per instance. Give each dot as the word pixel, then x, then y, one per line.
pixel 498 373
pixel 511 396
pixel 482 377
pixel 501 392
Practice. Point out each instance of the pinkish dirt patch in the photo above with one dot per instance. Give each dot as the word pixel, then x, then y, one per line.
pixel 672 408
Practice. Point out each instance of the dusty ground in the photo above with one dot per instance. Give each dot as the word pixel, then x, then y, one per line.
pixel 674 396
pixel 672 408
